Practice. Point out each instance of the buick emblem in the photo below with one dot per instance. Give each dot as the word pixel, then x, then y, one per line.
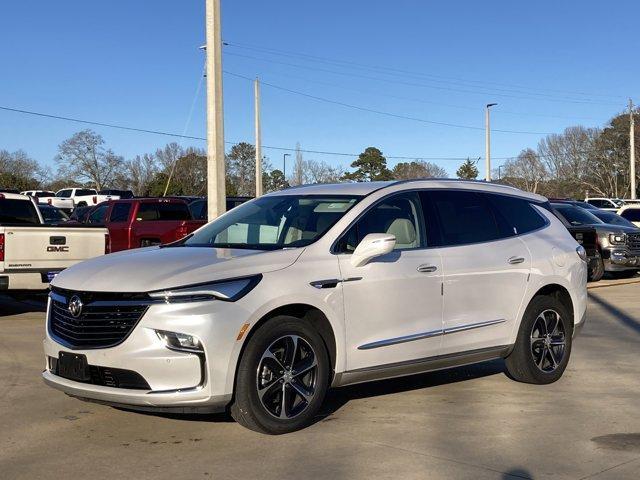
pixel 75 306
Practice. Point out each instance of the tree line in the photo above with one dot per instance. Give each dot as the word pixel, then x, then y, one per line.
pixel 85 160
pixel 577 162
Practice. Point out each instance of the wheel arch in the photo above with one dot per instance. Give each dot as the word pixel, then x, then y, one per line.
pixel 304 312
pixel 561 294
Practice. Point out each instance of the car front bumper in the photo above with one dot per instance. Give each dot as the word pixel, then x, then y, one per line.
pixel 178 381
pixel 621 259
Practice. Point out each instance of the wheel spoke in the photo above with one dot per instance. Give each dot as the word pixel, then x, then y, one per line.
pixel 542 322
pixel 283 402
pixel 305 366
pixel 290 351
pixel 271 356
pixel 553 322
pixel 302 390
pixel 268 391
pixel 534 340
pixel 540 363
pixel 553 358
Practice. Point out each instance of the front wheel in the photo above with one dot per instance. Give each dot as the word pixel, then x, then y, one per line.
pixel 282 377
pixel 596 269
pixel 543 346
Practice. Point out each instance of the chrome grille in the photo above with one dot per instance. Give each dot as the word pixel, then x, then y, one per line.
pixel 633 241
pixel 101 323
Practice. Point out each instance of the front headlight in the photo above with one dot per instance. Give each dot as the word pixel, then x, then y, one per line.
pixel 617 238
pixel 225 290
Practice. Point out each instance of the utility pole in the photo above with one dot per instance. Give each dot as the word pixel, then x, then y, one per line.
pixel 216 194
pixel 256 91
pixel 487 156
pixel 284 164
pixel 632 151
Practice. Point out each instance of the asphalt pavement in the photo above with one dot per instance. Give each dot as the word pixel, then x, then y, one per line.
pixel 466 423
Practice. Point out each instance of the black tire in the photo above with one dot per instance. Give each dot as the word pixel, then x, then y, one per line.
pixel 596 269
pixel 276 336
pixel 530 361
pixel 82 204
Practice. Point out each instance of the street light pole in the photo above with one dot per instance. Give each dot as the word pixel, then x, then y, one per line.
pixel 256 86
pixel 215 121
pixel 284 165
pixel 487 157
pixel 632 151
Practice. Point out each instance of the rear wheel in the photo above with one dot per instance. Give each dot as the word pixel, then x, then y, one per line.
pixel 282 377
pixel 596 269
pixel 543 346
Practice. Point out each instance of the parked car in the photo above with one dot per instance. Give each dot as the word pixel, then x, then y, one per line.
pixel 122 194
pixel 199 208
pixel 619 245
pixel 612 218
pixel 80 214
pixel 32 253
pixel 631 213
pixel 141 222
pixel 52 215
pixel 610 204
pixel 577 203
pixel 83 197
pixel 269 305
pixel 49 198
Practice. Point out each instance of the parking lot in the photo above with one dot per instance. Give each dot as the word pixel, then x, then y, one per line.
pixel 470 422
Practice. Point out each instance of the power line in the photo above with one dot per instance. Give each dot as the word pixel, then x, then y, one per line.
pixel 177 135
pixel 531 96
pixel 345 63
pixel 380 112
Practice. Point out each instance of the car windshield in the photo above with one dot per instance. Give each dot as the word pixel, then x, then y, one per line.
pixel 274 222
pixel 53 215
pixel 612 218
pixel 576 216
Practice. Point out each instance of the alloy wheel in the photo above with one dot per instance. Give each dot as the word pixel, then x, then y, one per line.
pixel 286 377
pixel 548 341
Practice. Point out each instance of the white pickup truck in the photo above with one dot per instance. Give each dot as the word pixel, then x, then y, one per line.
pixel 84 197
pixel 32 253
pixel 47 197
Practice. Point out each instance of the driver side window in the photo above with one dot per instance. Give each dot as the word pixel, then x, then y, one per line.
pixel 399 215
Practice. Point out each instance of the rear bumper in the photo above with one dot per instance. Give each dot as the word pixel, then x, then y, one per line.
pixel 23 281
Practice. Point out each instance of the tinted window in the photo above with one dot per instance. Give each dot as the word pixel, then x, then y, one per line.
pixel 612 218
pixel 519 215
pixel 199 209
pixel 98 215
pixel 631 214
pixel 163 212
pixel 83 192
pixel 64 193
pixel 53 214
pixel 575 216
pixel 18 211
pixel 463 217
pixel 44 194
pixel 400 215
pixel 120 212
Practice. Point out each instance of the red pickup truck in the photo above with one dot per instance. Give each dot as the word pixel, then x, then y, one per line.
pixel 141 222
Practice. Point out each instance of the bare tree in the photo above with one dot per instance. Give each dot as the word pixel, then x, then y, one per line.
pixel 315 171
pixel 297 176
pixel 141 172
pixel 84 158
pixel 526 171
pixel 418 169
pixel 18 170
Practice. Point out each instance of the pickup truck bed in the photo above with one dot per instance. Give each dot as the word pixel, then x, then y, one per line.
pixel 32 253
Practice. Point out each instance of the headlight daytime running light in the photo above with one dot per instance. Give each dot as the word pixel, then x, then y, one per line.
pixel 225 290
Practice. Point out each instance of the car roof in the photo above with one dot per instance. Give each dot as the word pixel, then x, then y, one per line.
pixel 15 196
pixel 366 188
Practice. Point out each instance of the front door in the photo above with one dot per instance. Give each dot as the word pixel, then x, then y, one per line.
pixel 393 305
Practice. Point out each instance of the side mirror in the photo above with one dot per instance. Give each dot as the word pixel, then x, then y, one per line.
pixel 372 246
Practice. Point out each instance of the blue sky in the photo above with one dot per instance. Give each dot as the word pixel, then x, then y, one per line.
pixel 548 64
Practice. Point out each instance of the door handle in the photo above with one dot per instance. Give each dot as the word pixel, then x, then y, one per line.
pixel 516 260
pixel 425 268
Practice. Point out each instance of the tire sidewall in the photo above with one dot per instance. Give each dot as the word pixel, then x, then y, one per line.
pixel 537 306
pixel 247 400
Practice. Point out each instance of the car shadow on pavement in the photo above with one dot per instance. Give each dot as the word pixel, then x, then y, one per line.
pixel 616 312
pixel 339 397
pixel 12 306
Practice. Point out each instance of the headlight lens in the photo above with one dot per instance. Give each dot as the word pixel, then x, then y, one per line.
pixel 227 290
pixel 582 253
pixel 617 238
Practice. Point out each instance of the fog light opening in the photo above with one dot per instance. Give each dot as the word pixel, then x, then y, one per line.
pixel 180 341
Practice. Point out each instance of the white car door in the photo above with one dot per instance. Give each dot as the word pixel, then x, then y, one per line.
pixel 393 304
pixel 486 267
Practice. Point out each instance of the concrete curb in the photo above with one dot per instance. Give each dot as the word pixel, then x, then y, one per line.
pixel 613 283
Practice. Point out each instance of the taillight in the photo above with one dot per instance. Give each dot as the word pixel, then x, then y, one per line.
pixel 49 201
pixel 181 231
pixel 107 243
pixel 1 247
pixel 95 199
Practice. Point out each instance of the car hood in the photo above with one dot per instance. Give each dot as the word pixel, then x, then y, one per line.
pixel 608 228
pixel 154 268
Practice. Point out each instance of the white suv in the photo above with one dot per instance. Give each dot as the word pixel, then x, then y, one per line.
pixel 314 287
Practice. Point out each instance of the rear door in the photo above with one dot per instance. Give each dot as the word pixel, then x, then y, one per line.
pixel 485 266
pixel 119 223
